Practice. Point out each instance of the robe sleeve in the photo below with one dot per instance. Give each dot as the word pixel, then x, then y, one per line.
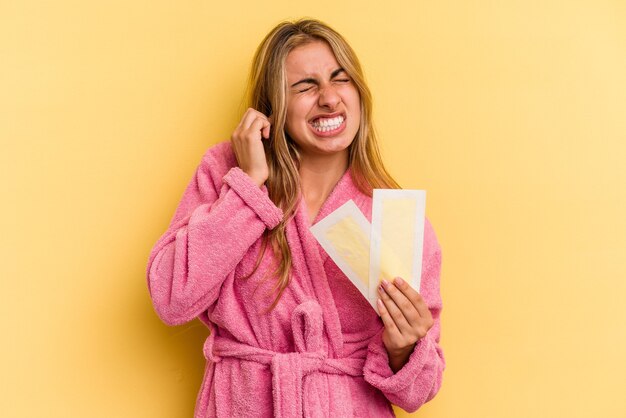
pixel 419 380
pixel 217 220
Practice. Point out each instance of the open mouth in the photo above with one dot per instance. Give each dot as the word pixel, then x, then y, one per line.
pixel 328 125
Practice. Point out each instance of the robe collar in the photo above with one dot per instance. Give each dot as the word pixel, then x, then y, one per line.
pixel 315 256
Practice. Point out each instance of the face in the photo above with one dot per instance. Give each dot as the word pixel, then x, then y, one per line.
pixel 323 104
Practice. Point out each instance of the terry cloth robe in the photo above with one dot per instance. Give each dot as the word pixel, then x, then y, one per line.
pixel 319 353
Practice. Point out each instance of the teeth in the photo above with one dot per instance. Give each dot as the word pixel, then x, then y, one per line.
pixel 325 125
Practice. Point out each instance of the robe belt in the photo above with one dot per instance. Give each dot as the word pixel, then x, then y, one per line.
pixel 288 369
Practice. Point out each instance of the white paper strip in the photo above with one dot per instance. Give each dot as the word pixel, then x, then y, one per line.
pixel 397 238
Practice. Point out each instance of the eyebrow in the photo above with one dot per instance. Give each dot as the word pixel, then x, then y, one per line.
pixel 313 81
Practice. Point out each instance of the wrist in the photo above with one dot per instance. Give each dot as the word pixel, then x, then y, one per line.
pixel 258 179
pixel 399 357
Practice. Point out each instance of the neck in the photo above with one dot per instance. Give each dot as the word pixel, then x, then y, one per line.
pixel 318 177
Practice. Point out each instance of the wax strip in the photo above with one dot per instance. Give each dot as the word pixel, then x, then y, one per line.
pixel 345 236
pixel 397 238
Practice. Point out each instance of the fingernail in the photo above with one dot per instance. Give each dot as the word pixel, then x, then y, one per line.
pixel 385 283
pixel 398 281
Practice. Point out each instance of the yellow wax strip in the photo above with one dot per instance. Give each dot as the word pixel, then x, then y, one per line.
pixel 352 245
pixel 397 238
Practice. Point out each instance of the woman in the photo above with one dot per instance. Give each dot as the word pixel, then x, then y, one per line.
pixel 290 334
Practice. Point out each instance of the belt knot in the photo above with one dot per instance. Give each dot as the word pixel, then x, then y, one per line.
pixel 289 369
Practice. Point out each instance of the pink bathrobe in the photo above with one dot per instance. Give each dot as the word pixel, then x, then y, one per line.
pixel 319 353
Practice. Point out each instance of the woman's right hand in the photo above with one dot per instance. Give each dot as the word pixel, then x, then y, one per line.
pixel 247 143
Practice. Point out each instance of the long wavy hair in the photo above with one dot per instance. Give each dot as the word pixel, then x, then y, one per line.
pixel 267 93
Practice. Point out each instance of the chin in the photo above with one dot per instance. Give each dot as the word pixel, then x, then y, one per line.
pixel 331 146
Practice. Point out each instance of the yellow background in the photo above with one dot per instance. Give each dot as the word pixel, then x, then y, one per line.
pixel 511 114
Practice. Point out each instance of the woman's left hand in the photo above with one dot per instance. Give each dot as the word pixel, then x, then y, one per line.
pixel 406 317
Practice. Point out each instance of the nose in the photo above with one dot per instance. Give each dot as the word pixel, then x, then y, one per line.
pixel 328 97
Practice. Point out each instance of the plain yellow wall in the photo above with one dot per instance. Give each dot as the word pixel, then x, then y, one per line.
pixel 511 114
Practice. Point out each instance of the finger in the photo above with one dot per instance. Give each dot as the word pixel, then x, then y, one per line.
pixel 422 307
pixel 250 117
pixel 416 299
pixel 425 320
pixel 409 311
pixel 246 118
pixel 390 325
pixel 259 125
pixel 270 119
pixel 395 312
pixel 266 130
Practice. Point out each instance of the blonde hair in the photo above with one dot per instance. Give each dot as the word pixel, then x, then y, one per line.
pixel 267 93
